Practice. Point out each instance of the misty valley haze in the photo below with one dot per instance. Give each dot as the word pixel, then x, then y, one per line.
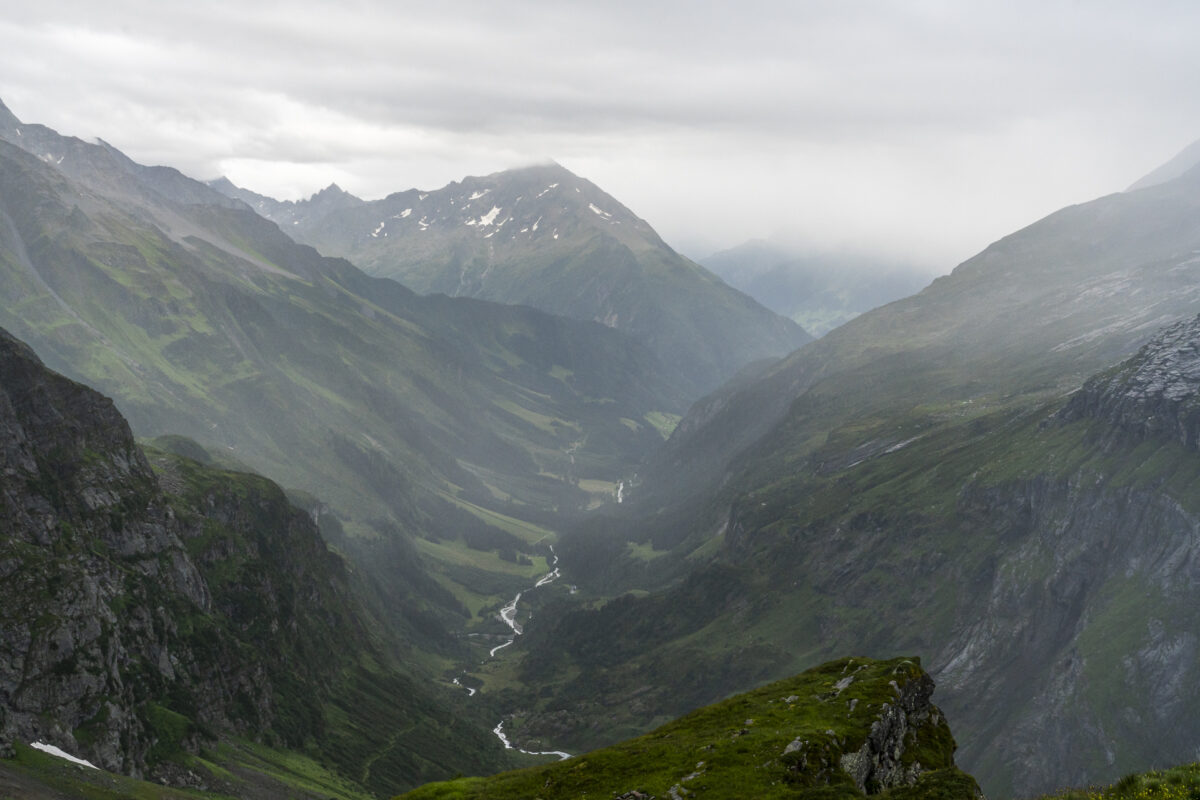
pixel 483 489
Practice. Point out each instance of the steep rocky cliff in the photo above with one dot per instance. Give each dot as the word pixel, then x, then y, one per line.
pixel 89 549
pixel 1153 393
pixel 1087 635
pixel 145 612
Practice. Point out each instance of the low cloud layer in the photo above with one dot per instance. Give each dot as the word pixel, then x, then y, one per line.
pixel 923 129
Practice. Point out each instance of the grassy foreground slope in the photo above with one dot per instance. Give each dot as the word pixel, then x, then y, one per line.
pixel 1173 783
pixel 847 729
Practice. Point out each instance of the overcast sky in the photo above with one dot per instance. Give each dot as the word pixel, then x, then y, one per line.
pixel 920 130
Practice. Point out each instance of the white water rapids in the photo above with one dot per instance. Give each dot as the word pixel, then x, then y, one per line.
pixel 499 731
pixel 508 614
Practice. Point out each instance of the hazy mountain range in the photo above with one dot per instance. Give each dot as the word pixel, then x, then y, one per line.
pixel 544 237
pixel 819 291
pixel 509 516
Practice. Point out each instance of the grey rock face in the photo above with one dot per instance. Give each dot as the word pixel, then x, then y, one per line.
pixel 1153 393
pixel 81 521
pixel 107 618
pixel 1086 638
pixel 878 764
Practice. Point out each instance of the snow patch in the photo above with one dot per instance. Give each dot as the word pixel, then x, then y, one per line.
pixel 548 188
pixel 403 214
pixel 54 751
pixel 375 233
pixel 599 211
pixel 486 219
pixel 478 195
pixel 422 196
pixel 535 225
pixel 424 223
pixel 901 445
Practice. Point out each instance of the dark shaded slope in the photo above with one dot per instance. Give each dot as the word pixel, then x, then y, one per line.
pixel 146 616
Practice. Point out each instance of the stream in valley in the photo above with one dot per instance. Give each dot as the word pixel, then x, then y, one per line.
pixel 509 616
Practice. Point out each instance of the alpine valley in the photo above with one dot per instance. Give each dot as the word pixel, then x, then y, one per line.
pixel 530 484
pixel 544 237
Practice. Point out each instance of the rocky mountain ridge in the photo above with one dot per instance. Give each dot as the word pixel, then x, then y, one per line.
pixel 1154 393
pixel 1035 313
pixel 542 236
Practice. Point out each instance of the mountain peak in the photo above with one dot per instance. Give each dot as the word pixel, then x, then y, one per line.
pixel 8 120
pixel 549 168
pixel 332 198
pixel 1183 162
pixel 332 190
pixel 223 185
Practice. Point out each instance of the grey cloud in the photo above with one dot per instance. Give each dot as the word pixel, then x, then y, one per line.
pixel 385 94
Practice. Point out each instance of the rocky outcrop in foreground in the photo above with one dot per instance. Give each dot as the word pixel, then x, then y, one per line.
pixel 851 728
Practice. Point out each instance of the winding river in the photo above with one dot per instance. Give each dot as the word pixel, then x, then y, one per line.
pixel 499 731
pixel 509 615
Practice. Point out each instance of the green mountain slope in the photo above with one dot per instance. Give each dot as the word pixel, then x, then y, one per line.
pixel 849 728
pixel 906 484
pixel 1031 316
pixel 201 318
pixel 544 237
pixel 153 609
pixel 1041 558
